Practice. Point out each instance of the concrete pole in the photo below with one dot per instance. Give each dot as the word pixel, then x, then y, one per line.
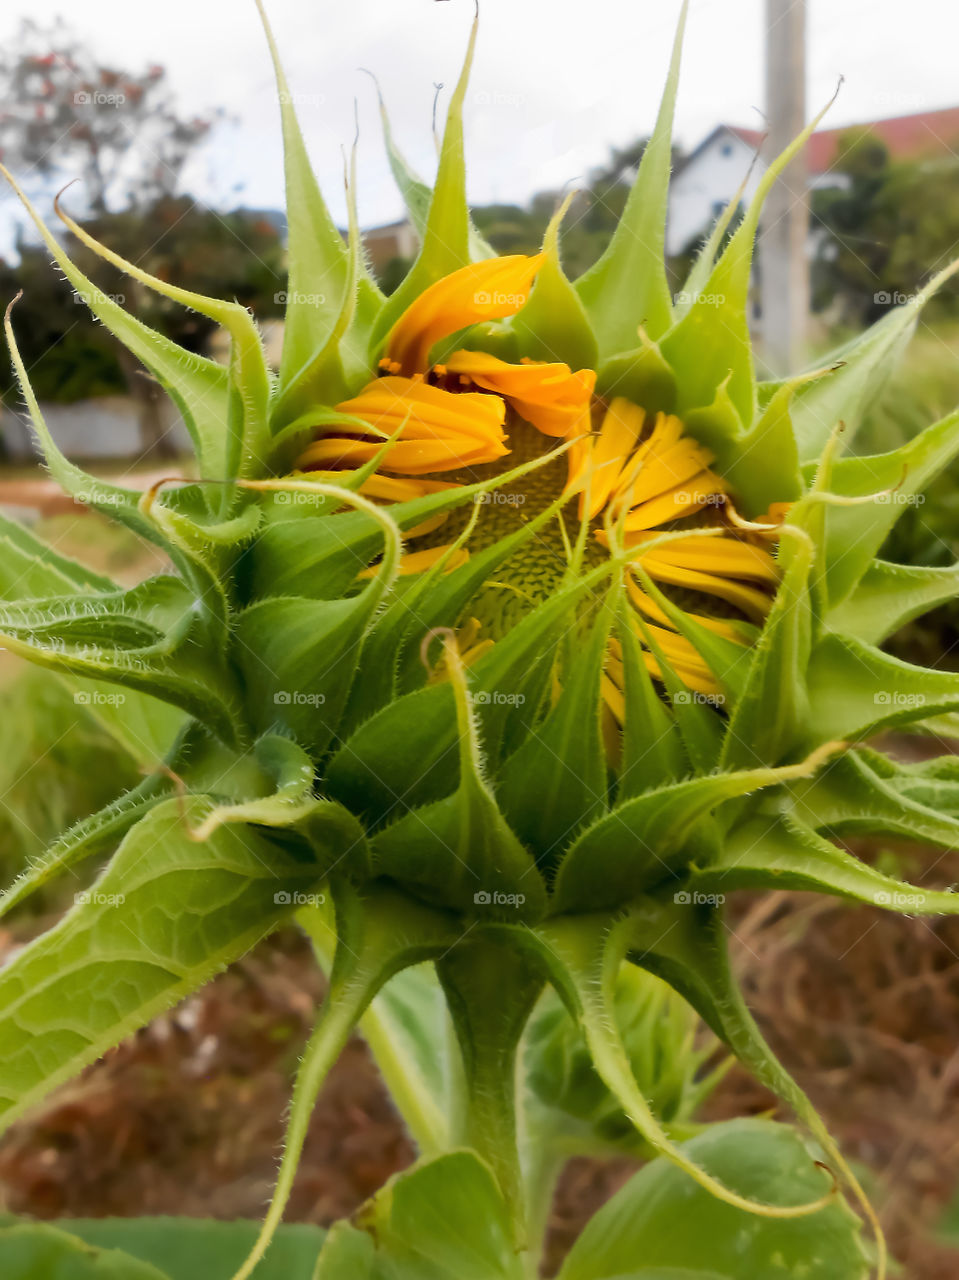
pixel 783 261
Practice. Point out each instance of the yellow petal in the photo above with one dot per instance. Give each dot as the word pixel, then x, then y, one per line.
pixel 550 396
pixel 432 429
pixel 484 290
pixel 598 469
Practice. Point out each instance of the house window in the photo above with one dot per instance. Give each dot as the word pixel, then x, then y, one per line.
pixel 726 149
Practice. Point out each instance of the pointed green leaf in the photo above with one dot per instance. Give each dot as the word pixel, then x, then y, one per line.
pixel 190 1247
pixel 781 854
pixel 855 690
pixel 855 533
pixel 446 237
pixel 557 780
pixel 319 283
pixel 199 387
pixel 444 1218
pixel 890 595
pixel 41 1251
pixel 627 287
pixel 649 1219
pixel 711 344
pixel 167 914
pixel 862 368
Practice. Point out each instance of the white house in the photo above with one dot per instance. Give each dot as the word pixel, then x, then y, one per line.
pixel 709 177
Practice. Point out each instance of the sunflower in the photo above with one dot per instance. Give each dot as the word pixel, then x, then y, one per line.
pixel 630 474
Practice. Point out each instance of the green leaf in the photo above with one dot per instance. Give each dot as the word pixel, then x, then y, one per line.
pixel 444 1218
pixel 641 374
pixel 764 721
pixel 863 791
pixel 563 761
pixel 93 835
pixel 855 690
pixel 416 193
pixel 40 1251
pixel 244 432
pixel 772 439
pixel 460 852
pixel 710 346
pixel 186 1248
pixel 30 567
pixel 553 324
pixel 146 639
pixel 319 285
pixel 890 595
pixel 648 1221
pixel 166 915
pixel 777 853
pixel 199 387
pixel 854 533
pixel 648 839
pixel 628 287
pixel 405 755
pixel 446 235
pixel 653 751
pixel 347 1254
pixel 862 368
pixel 378 933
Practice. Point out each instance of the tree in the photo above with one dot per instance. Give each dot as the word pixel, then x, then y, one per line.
pixel 884 231
pixel 70 356
pixel 70 115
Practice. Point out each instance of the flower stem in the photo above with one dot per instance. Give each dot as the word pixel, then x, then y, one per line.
pixel 491 991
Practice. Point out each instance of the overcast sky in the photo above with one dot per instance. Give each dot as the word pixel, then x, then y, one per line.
pixel 555 81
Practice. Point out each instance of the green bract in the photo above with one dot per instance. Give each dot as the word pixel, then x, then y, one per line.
pixel 302 759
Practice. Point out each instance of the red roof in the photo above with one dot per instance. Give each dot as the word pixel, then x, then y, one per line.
pixel 908 137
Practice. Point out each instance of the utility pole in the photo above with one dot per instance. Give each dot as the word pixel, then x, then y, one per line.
pixel 783 261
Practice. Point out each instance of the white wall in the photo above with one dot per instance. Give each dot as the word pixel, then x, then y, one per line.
pixel 706 184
